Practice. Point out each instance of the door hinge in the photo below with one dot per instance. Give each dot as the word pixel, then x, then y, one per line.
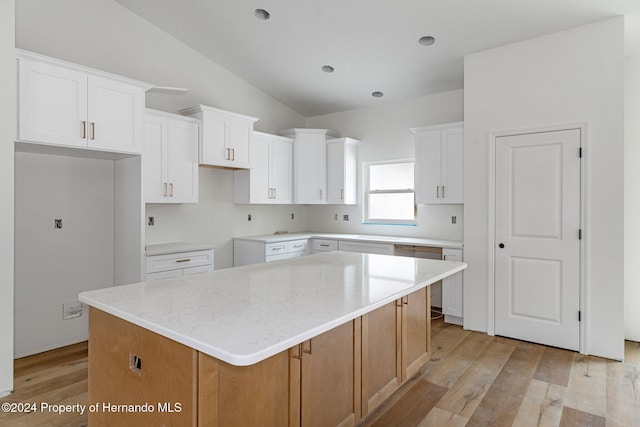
pixel 580 152
pixel 580 234
pixel 579 315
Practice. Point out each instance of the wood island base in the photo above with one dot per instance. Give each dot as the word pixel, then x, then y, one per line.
pixel 138 377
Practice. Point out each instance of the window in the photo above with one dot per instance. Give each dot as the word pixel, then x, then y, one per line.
pixel 389 197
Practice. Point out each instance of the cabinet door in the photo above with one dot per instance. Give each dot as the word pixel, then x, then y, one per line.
pixel 427 167
pixel 381 355
pixel 259 182
pixel 115 115
pixel 452 165
pixel 155 154
pixel 239 138
pixel 280 165
pixel 330 384
pixel 452 286
pixel 416 332
pixel 52 104
pixel 310 183
pixel 212 144
pixel 335 172
pixel 182 161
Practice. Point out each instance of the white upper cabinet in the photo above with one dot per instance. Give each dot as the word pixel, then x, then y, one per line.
pixel 170 158
pixel 439 163
pixel 67 105
pixel 270 178
pixel 309 165
pixel 342 163
pixel 226 137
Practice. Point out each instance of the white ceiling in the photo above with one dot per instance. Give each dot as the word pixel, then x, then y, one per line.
pixel 372 44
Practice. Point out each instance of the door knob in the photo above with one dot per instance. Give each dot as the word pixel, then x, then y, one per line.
pixel 501 245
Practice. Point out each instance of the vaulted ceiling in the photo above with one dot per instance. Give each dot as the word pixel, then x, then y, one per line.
pixel 372 45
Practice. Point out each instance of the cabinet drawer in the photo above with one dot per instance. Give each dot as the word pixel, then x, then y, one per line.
pixel 324 245
pixel 298 245
pixel 275 248
pixel 276 257
pixel 182 260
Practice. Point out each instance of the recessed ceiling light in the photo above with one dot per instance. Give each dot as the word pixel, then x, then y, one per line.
pixel 327 68
pixel 426 40
pixel 262 14
pixel 377 94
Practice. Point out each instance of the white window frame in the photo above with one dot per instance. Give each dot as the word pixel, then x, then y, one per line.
pixel 366 192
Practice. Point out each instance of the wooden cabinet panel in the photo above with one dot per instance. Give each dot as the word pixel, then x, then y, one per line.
pixel 416 332
pixel 255 395
pixel 329 379
pixel 381 355
pixel 167 376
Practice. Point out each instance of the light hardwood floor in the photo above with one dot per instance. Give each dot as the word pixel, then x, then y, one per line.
pixel 472 380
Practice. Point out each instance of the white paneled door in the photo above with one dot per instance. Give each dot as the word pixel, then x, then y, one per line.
pixel 537 253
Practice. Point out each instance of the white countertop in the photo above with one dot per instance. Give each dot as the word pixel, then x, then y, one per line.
pixel 175 247
pixel 246 314
pixel 273 238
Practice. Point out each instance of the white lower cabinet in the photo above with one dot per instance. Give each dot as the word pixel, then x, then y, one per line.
pixel 252 252
pixel 452 288
pixel 178 264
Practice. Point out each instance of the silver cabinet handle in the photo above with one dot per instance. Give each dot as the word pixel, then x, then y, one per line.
pixel 342 193
pixel 93 130
pixel 321 193
pixel 438 192
pixel 233 154
pixel 324 245
pixel 84 129
pixel 275 193
pixel 298 246
pixel 183 260
pixel 443 191
pixel 164 189
pixel 171 189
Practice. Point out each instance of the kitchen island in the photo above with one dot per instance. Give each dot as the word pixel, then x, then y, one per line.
pixel 317 340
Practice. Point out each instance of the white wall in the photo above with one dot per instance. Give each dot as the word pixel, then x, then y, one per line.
pixel 7 136
pixel 384 135
pixel 53 265
pixel 632 199
pixel 567 77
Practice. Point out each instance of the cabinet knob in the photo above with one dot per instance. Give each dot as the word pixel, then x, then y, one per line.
pixel 501 245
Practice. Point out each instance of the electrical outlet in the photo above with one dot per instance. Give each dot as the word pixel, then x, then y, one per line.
pixel 249 217
pixel 453 220
pixel 57 223
pixel 345 217
pixel 292 216
pixel 71 309
pixel 151 222
pixel 335 217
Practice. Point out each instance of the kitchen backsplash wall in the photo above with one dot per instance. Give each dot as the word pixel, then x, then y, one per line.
pixel 216 219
